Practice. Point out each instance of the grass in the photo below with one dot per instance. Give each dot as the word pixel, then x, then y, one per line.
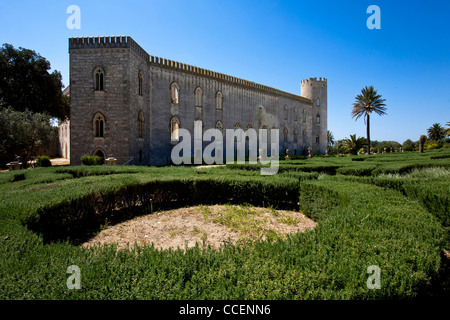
pixel 389 210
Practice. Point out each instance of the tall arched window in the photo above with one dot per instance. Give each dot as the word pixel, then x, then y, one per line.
pixel 285 112
pixel 285 136
pixel 198 93
pixel 99 76
pixel 99 125
pixel 141 124
pixel 318 119
pixel 304 115
pixel 295 114
pixel 295 136
pixel 141 82
pixel 174 126
pixel 175 93
pixel 318 102
pixel 219 99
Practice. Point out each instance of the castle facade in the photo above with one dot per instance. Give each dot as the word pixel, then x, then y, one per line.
pixel 128 104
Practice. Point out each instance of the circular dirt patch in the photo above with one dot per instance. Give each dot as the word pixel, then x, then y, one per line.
pixel 212 225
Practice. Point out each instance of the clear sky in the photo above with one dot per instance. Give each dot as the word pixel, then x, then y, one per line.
pixel 275 43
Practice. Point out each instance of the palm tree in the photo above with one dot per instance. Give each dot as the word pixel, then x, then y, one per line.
pixel 447 131
pixel 436 132
pixel 330 138
pixel 353 144
pixel 365 103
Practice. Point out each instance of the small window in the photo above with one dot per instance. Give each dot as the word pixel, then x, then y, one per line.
pixel 99 79
pixel 317 140
pixel 318 119
pixel 304 115
pixel 285 112
pixel 99 125
pixel 318 102
pixel 175 93
pixel 174 126
pixel 295 114
pixel 285 135
pixel 295 136
pixel 141 124
pixel 141 81
pixel 219 99
pixel 198 96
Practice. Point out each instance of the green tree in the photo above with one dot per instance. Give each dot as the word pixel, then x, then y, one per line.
pixel 353 144
pixel 366 102
pixel 25 83
pixel 436 132
pixel 24 133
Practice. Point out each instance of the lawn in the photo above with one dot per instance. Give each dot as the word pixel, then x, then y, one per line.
pixel 389 210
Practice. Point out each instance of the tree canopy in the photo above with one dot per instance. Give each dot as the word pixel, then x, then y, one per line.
pixel 25 83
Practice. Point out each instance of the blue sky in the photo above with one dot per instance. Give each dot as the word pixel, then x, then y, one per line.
pixel 275 43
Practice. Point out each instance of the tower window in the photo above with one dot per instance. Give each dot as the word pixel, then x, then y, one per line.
pixel 99 125
pixel 317 119
pixel 318 102
pixel 219 99
pixel 198 96
pixel 141 124
pixel 174 126
pixel 175 93
pixel 141 81
pixel 317 140
pixel 99 79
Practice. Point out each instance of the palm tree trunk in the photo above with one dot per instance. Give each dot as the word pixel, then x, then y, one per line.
pixel 368 134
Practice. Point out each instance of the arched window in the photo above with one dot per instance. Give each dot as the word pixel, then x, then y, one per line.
pixel 318 102
pixel 99 76
pixel 295 114
pixel 304 132
pixel 198 93
pixel 141 124
pixel 175 93
pixel 141 82
pixel 174 126
pixel 219 99
pixel 285 135
pixel 304 115
pixel 318 119
pixel 295 136
pixel 285 112
pixel 99 125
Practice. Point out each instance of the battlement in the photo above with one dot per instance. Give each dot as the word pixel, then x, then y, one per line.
pixel 314 80
pixel 108 42
pixel 128 42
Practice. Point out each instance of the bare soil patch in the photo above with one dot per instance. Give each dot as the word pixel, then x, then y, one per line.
pixel 212 225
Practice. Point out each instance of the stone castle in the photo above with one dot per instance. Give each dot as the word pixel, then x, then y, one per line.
pixel 128 104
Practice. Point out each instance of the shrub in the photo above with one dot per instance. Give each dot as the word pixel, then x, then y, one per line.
pixel 91 160
pixel 43 161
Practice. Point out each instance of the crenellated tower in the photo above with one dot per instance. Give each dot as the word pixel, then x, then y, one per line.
pixel 316 90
